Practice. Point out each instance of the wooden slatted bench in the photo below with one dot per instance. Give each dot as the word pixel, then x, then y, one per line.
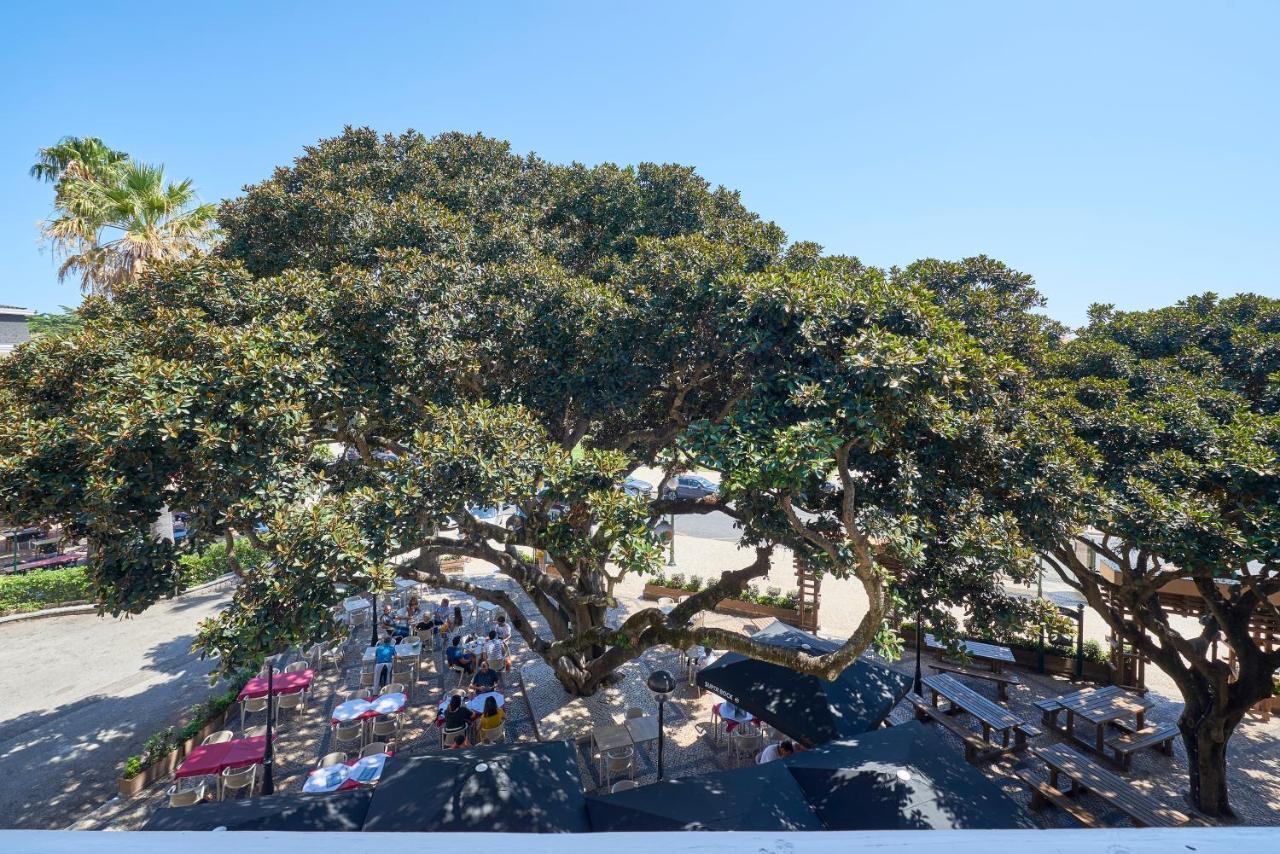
pixel 1042 793
pixel 1001 680
pixel 991 717
pixel 1049 711
pixel 1130 742
pixel 975 749
pixel 1088 776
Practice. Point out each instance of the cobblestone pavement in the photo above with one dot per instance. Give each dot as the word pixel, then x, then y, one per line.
pixel 533 694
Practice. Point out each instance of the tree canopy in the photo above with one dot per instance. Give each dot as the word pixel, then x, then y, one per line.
pixel 484 328
pixel 1177 416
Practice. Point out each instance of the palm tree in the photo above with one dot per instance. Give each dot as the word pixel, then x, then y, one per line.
pixel 77 157
pixel 111 227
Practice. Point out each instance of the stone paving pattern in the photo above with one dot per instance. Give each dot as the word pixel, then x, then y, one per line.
pixel 533 694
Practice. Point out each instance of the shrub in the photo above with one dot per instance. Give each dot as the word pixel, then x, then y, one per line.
pixel 659 579
pixel 132 767
pixel 677 580
pixel 694 584
pixel 211 562
pixel 159 745
pixel 773 592
pixel 43 589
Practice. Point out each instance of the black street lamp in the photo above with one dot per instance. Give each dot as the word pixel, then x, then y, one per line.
pixel 918 687
pixel 663 685
pixel 373 640
pixel 671 557
pixel 269 754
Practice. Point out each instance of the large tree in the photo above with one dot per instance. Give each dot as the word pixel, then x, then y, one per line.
pixel 484 328
pixel 1177 415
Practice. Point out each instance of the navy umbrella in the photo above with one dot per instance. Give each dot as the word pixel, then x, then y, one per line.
pixel 901 778
pixel 530 788
pixel 332 812
pixel 806 708
pixel 762 797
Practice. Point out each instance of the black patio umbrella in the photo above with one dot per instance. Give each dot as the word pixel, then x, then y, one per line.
pixel 530 788
pixel 901 778
pixel 806 708
pixel 331 812
pixel 761 797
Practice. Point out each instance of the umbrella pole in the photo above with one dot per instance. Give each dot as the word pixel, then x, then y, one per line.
pixel 661 707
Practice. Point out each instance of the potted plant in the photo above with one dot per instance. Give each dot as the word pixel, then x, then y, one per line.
pixel 452 563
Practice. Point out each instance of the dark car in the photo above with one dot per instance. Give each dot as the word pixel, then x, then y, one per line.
pixel 691 486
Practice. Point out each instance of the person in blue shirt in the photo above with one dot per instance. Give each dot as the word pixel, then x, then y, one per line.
pixel 456 656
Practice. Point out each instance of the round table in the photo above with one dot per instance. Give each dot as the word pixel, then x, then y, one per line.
pixel 406 583
pixel 476 703
pixel 388 704
pixel 742 717
pixel 351 710
pixel 327 779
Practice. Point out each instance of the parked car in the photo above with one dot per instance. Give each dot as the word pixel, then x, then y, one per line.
pixel 692 486
pixel 636 486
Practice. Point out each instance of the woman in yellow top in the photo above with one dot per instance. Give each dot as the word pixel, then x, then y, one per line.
pixel 492 717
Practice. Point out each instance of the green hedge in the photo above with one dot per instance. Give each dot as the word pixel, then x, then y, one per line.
pixel 42 589
pixel 772 597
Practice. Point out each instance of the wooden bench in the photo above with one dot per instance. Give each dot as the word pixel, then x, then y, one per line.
pixel 1042 793
pixel 1049 711
pixel 1001 680
pixel 1088 776
pixel 975 749
pixel 1130 742
pixel 990 716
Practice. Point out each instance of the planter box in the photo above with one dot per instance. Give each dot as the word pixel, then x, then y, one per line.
pixel 210 727
pixel 732 607
pixel 1268 707
pixel 455 564
pixel 1027 658
pixel 128 787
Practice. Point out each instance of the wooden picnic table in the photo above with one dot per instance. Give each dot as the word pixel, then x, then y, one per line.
pixel 1100 707
pixel 992 655
pixel 993 719
pixel 1087 776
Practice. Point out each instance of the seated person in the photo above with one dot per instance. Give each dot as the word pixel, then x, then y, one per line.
pixel 456 656
pixel 413 610
pixel 503 628
pixel 458 622
pixel 439 617
pixel 781 750
pixel 486 679
pixel 456 715
pixel 492 717
pixel 459 743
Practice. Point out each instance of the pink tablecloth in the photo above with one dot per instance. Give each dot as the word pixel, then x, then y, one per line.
pixel 283 684
pixel 213 758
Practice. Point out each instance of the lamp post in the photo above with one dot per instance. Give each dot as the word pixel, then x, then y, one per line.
pixel 671 557
pixel 662 684
pixel 919 689
pixel 269 753
pixel 373 640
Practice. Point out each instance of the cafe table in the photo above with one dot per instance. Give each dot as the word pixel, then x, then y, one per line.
pixel 213 759
pixel 284 683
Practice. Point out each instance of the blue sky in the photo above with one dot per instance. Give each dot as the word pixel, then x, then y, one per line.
pixel 1121 153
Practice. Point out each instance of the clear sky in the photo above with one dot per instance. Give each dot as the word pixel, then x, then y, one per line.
pixel 1119 152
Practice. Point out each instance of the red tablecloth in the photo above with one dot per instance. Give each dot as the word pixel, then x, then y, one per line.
pixel 285 683
pixel 213 758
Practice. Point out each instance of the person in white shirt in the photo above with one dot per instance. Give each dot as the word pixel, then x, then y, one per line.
pixel 503 628
pixel 495 652
pixel 779 750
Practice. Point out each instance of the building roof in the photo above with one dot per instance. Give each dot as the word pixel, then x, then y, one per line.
pixel 14 309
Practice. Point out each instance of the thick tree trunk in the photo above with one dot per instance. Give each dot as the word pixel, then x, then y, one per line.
pixel 1206 743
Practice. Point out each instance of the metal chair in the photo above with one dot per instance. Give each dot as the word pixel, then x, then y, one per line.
pixel 746 741
pixel 448 736
pixel 385 729
pixel 293 701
